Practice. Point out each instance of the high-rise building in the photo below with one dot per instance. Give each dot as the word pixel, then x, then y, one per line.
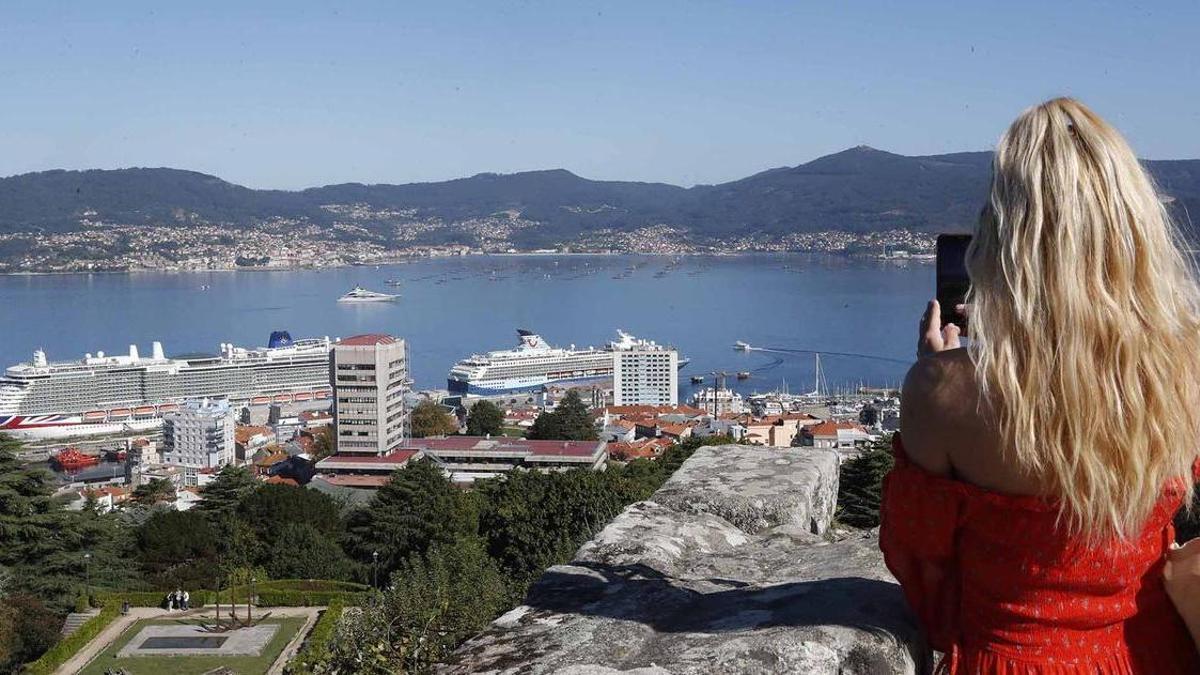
pixel 199 435
pixel 369 374
pixel 645 373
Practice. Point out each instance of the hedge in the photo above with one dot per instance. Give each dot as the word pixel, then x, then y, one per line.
pixel 197 598
pixel 316 645
pixel 66 648
pixel 267 597
pixel 312 585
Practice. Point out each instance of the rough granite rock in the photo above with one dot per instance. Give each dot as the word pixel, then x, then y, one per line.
pixel 729 567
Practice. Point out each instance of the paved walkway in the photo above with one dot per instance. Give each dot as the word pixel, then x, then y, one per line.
pixel 113 630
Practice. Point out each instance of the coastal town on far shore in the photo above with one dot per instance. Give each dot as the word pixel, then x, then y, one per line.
pixel 356 238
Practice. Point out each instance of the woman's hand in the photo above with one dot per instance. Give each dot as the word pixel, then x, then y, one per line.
pixel 1181 577
pixel 934 337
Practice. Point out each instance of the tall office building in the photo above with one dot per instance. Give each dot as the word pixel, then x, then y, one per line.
pixel 199 435
pixel 369 377
pixel 645 373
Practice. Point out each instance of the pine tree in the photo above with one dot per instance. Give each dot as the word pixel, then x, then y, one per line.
pixel 30 521
pixel 417 509
pixel 222 496
pixel 860 485
pixel 569 421
pixel 153 492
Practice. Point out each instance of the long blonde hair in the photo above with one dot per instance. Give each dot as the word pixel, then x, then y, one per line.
pixel 1085 320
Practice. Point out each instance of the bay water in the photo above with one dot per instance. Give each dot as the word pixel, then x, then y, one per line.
pixel 861 314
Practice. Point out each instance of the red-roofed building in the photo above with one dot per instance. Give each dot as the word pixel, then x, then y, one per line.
pixel 836 435
pixel 643 448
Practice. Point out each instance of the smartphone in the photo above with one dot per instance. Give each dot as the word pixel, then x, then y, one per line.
pixel 952 279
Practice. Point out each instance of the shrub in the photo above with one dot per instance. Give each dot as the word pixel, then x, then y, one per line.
pixel 316 645
pixel 274 598
pixel 59 653
pixel 197 598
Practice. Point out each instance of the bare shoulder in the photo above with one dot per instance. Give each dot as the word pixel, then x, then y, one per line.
pixel 940 395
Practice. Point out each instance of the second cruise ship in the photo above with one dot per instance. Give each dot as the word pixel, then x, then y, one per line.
pixel 534 364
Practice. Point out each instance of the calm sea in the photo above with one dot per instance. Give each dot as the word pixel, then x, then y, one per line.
pixel 850 310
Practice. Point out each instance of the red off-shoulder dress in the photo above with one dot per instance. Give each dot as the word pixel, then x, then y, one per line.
pixel 999 587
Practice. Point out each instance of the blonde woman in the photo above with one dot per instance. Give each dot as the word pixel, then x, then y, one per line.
pixel 1029 512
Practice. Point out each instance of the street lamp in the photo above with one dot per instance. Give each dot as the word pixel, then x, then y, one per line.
pixel 87 566
pixel 375 570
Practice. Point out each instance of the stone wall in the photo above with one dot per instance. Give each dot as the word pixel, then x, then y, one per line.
pixel 730 567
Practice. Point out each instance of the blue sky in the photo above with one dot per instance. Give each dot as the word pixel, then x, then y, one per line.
pixel 294 94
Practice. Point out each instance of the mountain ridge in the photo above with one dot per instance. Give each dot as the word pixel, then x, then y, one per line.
pixel 858 189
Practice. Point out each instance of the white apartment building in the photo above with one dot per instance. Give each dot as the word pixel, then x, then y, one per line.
pixel 370 379
pixel 646 373
pixel 199 435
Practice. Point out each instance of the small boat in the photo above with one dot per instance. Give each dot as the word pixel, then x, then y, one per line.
pixel 282 398
pixel 360 294
pixel 71 459
pixel 95 415
pixel 304 396
pixel 392 282
pixel 118 413
pixel 697 379
pixel 260 400
pixel 741 346
pixel 322 394
pixel 743 375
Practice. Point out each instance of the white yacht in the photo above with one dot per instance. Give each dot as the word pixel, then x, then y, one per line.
pixel 360 294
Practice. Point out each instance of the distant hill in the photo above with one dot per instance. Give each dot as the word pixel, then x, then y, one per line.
pixel 860 189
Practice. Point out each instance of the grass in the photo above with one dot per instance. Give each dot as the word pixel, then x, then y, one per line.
pixel 191 665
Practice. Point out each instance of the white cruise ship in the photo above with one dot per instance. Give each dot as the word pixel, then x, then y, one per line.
pixel 532 365
pixel 104 394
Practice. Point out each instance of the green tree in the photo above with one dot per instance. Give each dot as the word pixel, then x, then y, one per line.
pixel 569 421
pixel 485 418
pixel 267 509
pixel 178 547
pixel 860 485
pixel 302 551
pixel 153 492
pixel 534 520
pixel 438 600
pixel 47 550
pixel 30 521
pixel 415 510
pixel 225 493
pixel 431 419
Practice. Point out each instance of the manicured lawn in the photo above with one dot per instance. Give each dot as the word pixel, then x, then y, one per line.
pixel 191 665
